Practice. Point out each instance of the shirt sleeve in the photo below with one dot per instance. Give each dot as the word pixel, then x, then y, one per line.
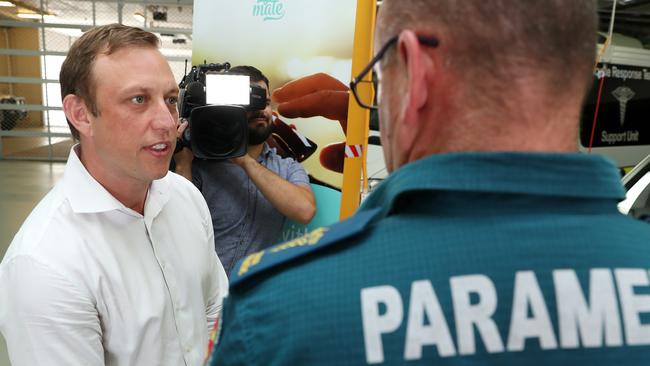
pixel 296 174
pixel 235 343
pixel 218 288
pixel 219 292
pixel 46 319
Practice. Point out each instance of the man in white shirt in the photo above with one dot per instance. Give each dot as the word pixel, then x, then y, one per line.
pixel 116 265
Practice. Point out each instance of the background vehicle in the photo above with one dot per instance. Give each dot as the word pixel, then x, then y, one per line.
pixel 10 117
pixel 637 184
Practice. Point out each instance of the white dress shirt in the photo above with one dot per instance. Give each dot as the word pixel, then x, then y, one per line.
pixel 88 281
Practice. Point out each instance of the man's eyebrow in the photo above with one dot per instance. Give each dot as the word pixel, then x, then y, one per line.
pixel 147 90
pixel 136 89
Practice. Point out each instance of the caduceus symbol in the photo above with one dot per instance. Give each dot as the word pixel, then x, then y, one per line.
pixel 623 94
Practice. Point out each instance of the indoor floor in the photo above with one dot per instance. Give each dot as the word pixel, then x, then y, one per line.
pixel 22 185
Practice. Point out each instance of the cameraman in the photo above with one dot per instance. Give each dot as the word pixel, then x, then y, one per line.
pixel 251 196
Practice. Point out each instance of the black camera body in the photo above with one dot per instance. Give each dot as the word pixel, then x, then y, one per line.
pixel 216 131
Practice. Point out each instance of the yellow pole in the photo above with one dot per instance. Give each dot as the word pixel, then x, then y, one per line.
pixel 358 117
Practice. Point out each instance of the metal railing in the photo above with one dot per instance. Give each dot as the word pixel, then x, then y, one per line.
pixel 33 126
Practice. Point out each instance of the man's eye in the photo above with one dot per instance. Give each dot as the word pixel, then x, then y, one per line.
pixel 172 100
pixel 138 100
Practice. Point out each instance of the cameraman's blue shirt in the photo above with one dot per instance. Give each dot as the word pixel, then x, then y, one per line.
pixel 456 259
pixel 244 220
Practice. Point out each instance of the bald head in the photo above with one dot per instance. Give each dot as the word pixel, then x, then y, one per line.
pixel 490 42
pixel 505 75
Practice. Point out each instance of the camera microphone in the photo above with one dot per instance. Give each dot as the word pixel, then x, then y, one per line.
pixel 195 93
pixel 190 97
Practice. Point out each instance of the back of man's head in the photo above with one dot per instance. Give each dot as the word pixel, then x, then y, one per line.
pixel 490 43
pixel 76 72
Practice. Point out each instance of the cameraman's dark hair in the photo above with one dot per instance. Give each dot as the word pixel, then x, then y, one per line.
pixel 76 72
pixel 250 71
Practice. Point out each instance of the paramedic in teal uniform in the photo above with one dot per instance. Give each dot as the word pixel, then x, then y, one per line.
pixel 492 242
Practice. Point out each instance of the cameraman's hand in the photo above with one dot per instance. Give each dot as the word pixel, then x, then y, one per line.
pixel 242 160
pixel 184 156
pixel 317 95
pixel 183 160
pixel 182 126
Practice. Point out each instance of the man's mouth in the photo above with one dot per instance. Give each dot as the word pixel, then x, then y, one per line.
pixel 258 119
pixel 161 148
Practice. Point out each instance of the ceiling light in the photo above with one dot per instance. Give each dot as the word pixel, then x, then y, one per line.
pixel 139 17
pixel 35 16
pixel 6 3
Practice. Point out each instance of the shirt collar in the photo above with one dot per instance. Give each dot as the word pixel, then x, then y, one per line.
pixel 86 195
pixel 266 150
pixel 159 194
pixel 548 174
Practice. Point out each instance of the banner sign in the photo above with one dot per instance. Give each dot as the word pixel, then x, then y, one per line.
pixel 286 40
pixel 624 112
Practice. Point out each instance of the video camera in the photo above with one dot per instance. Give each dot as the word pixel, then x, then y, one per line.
pixel 215 104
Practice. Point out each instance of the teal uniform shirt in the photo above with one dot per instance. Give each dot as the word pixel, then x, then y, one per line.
pixel 456 259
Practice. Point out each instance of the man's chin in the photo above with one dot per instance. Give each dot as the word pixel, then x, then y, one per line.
pixel 159 170
pixel 258 132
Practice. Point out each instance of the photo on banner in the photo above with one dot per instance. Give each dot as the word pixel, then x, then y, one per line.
pixel 286 40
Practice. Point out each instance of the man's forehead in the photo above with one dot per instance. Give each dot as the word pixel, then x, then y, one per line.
pixel 127 54
pixel 135 66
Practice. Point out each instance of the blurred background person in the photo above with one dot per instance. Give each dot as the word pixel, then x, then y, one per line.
pixel 250 197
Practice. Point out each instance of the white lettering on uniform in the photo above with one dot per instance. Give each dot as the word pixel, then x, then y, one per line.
pixel 527 293
pixel 424 301
pixel 575 316
pixel 375 324
pixel 580 322
pixel 636 334
pixel 467 315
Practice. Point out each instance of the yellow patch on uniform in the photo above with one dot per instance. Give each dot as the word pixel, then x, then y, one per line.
pixel 308 239
pixel 250 261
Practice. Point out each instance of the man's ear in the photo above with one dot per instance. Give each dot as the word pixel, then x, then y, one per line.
pixel 418 70
pixel 77 113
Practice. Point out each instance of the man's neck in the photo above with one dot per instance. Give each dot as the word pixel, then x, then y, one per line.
pixel 254 151
pixel 130 194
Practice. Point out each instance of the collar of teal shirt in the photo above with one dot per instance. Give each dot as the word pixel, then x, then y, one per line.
pixel 573 175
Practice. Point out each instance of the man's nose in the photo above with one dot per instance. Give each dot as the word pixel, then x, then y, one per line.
pixel 163 116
